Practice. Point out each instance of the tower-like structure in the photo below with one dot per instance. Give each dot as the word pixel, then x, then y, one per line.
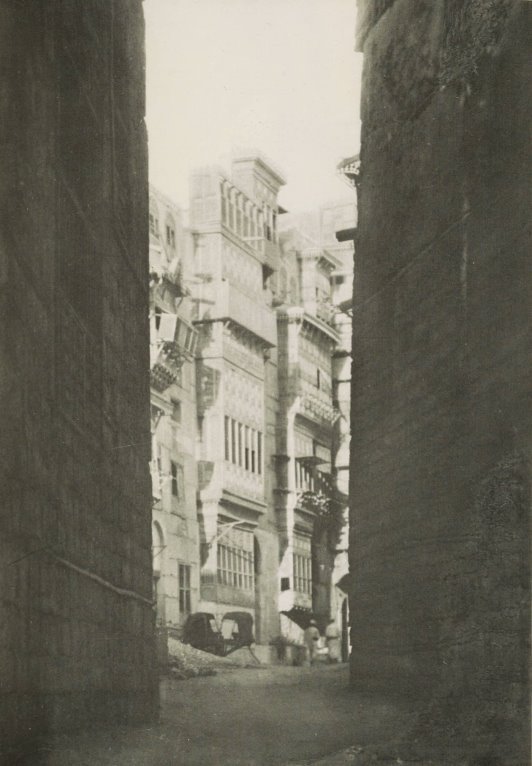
pixel 308 512
pixel 233 220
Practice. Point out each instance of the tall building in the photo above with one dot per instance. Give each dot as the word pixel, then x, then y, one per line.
pixel 233 222
pixel 269 416
pixel 77 642
pixel 440 491
pixel 173 341
pixel 312 429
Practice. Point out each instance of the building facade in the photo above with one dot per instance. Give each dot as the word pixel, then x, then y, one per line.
pixel 269 414
pixel 233 226
pixel 173 340
pixel 313 431
pixel 77 643
pixel 440 491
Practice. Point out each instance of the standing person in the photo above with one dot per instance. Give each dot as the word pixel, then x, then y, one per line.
pixel 312 636
pixel 332 636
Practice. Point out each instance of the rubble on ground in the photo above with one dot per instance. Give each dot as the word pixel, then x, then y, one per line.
pixel 185 661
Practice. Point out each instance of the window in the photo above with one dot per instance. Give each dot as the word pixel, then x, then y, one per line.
pixel 186 336
pixel 318 378
pixel 259 453
pixel 246 449
pixel 233 440
pixel 184 589
pixel 253 451
pixel 302 565
pixel 243 445
pixel 177 480
pixel 240 435
pixel 190 340
pixel 304 477
pixel 224 208
pixel 227 453
pixel 170 236
pixel 235 563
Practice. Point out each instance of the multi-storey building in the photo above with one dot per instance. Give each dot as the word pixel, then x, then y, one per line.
pixel 308 512
pixel 270 412
pixel 233 222
pixel 339 226
pixel 173 420
pixel 77 641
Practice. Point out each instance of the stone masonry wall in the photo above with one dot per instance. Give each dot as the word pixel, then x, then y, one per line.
pixel 440 466
pixel 76 616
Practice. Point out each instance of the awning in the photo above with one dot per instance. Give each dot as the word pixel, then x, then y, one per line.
pixel 301 615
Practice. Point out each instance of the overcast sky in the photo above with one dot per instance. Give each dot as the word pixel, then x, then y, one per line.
pixel 278 75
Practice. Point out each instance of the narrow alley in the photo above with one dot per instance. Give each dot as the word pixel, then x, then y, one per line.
pixel 266 443
pixel 264 716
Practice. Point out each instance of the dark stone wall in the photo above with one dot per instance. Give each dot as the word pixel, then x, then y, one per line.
pixel 76 620
pixel 440 465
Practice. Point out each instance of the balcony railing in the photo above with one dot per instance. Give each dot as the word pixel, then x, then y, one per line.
pixel 165 365
pixel 172 342
pixel 319 409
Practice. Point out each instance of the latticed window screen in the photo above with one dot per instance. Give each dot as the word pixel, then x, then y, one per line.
pixel 235 559
pixel 302 565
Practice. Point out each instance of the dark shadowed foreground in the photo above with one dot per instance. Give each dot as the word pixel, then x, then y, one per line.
pixel 242 717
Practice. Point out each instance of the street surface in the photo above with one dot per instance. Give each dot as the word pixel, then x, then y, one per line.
pixel 266 716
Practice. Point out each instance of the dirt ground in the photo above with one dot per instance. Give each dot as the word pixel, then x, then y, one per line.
pixel 268 716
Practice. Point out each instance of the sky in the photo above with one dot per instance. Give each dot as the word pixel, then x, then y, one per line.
pixel 281 76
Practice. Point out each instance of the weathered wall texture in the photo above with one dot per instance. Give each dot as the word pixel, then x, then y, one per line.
pixel 440 419
pixel 76 621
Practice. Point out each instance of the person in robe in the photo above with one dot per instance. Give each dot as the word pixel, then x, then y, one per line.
pixel 332 637
pixel 312 636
